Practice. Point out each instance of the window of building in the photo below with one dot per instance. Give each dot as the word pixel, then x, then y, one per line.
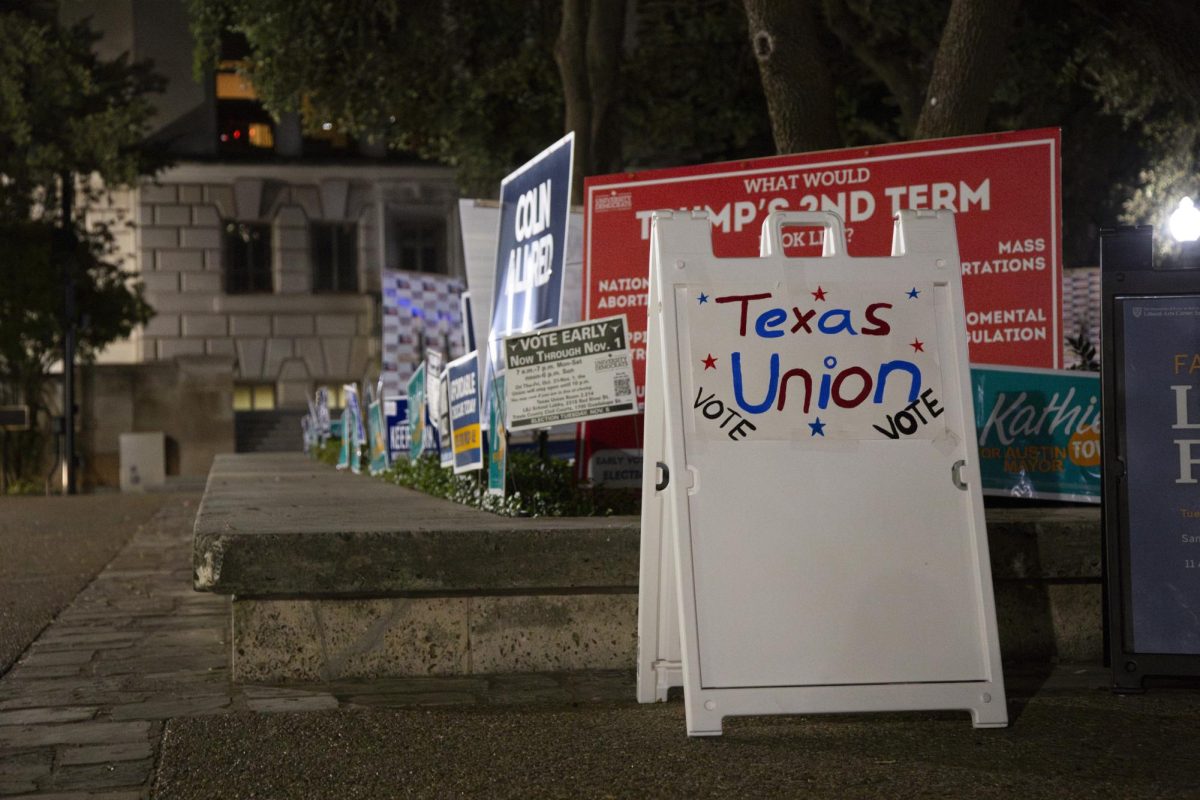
pixel 334 256
pixel 421 246
pixel 247 255
pixel 253 397
pixel 243 125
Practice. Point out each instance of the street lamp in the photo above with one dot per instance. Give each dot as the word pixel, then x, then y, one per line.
pixel 1184 222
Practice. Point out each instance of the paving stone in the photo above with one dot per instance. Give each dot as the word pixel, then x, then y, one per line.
pixel 94 641
pixel 20 772
pixel 17 682
pixel 39 716
pixel 105 753
pixel 185 662
pixel 165 709
pixel 101 776
pixel 63 671
pixel 73 733
pixel 39 659
pixel 52 699
pixel 81 633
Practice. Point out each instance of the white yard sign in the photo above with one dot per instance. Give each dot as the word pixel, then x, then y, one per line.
pixel 569 374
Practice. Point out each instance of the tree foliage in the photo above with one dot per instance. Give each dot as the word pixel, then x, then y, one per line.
pixel 475 90
pixel 63 109
pixel 1115 75
pixel 64 112
pixel 479 86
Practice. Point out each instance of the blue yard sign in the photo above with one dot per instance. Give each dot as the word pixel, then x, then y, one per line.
pixel 395 412
pixel 535 210
pixel 465 417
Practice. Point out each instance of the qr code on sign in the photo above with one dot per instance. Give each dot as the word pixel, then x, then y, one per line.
pixel 621 385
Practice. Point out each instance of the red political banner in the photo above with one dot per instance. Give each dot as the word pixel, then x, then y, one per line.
pixel 1005 189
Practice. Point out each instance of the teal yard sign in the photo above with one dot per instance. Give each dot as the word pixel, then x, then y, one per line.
pixel 1039 432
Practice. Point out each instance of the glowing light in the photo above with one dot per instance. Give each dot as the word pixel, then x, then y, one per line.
pixel 1184 223
pixel 326 126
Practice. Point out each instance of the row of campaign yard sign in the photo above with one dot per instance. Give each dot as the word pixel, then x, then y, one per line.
pixel 1003 188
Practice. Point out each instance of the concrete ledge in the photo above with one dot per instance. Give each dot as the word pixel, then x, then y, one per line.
pixel 276 525
pixel 339 576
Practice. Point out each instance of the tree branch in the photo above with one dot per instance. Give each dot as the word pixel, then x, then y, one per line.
pixel 896 72
pixel 964 73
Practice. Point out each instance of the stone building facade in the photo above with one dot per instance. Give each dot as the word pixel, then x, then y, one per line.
pixel 291 336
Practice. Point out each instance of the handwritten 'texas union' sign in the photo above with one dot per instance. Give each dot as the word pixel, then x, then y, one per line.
pixel 827 361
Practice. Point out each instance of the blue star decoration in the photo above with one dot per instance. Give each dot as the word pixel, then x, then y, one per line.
pixel 703 298
pixel 913 293
pixel 818 427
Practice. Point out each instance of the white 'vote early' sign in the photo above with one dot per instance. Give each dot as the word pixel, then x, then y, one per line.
pixel 569 374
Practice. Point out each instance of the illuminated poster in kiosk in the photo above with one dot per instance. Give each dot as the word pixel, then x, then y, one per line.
pixel 1161 376
pixel 1004 188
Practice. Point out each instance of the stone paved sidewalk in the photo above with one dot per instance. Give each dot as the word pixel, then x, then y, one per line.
pixel 82 711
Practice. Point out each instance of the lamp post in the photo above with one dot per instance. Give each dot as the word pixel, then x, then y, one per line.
pixel 68 275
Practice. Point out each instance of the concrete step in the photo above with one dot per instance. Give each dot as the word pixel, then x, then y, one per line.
pixel 267 431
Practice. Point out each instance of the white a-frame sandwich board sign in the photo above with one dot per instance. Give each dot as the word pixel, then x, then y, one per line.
pixel 821 485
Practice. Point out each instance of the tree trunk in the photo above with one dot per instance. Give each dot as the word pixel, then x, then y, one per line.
pixel 606 32
pixel 588 54
pixel 969 58
pixel 795 76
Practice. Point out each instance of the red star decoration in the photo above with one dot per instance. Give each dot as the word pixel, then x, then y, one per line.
pixel 917 345
pixel 710 362
pixel 819 294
